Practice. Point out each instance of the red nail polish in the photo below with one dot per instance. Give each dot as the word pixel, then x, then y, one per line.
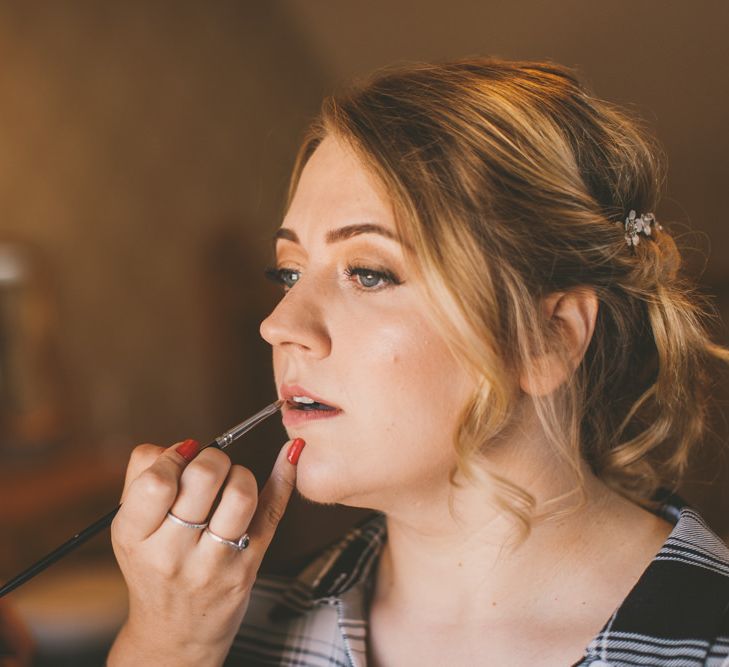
pixel 295 451
pixel 188 450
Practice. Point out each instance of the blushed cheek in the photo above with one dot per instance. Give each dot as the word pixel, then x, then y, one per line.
pixel 415 369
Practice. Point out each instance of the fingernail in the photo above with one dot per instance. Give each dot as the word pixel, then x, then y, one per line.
pixel 188 450
pixel 295 451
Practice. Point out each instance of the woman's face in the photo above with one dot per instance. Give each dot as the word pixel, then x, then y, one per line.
pixel 352 330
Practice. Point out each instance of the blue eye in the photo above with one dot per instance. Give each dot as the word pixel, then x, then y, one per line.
pixel 365 279
pixel 371 280
pixel 283 276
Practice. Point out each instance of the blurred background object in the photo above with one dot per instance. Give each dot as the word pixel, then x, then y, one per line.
pixel 16 645
pixel 31 413
pixel 144 154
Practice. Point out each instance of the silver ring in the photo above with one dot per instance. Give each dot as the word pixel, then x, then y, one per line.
pixel 241 543
pixel 187 524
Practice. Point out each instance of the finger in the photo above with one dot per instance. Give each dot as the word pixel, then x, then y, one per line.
pixel 233 514
pixel 200 484
pixel 275 497
pixel 150 496
pixel 142 457
pixel 145 455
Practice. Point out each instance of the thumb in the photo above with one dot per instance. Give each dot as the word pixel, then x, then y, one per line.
pixel 276 494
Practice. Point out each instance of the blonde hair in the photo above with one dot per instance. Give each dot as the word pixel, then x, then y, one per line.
pixel 507 179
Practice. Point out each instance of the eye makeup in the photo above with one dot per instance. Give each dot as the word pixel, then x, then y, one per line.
pixel 365 278
pixel 366 275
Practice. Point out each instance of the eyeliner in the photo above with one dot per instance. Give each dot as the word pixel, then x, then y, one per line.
pixel 221 442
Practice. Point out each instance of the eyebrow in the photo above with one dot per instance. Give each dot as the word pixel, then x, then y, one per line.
pixel 340 233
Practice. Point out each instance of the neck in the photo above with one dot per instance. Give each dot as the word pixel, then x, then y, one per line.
pixel 470 561
pixel 464 562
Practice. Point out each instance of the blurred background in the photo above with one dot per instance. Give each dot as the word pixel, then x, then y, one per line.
pixel 144 153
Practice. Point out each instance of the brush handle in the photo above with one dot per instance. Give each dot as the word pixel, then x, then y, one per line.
pixel 67 547
pixel 77 540
pixel 87 533
pixel 236 432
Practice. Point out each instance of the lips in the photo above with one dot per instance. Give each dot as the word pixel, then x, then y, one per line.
pixel 288 391
pixel 294 415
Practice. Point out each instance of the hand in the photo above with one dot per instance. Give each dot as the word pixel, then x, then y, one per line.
pixel 188 592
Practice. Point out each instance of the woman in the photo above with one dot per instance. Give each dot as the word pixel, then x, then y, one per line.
pixel 506 364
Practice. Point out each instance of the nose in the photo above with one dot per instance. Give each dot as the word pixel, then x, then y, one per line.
pixel 297 324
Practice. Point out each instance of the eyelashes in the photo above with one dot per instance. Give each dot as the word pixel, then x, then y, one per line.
pixel 364 278
pixel 282 276
pixel 381 278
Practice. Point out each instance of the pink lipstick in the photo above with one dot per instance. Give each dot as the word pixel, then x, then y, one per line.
pixel 303 406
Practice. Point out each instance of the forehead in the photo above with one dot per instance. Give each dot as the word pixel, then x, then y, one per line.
pixel 335 189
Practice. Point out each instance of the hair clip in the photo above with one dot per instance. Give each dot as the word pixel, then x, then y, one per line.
pixel 639 224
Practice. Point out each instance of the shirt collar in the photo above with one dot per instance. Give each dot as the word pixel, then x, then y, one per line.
pixel 338 569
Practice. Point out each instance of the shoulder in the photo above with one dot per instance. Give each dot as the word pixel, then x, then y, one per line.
pixel 689 576
pixel 678 612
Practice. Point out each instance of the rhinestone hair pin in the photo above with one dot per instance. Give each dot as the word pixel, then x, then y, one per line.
pixel 639 224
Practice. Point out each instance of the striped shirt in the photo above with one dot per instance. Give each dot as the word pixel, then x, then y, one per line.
pixel 677 615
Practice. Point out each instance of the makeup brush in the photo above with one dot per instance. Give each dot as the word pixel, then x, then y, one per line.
pixel 221 442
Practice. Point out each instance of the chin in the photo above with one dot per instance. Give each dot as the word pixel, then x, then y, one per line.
pixel 326 484
pixel 319 484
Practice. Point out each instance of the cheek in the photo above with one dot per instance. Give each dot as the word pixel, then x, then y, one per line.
pixel 402 392
pixel 389 368
pixel 406 393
